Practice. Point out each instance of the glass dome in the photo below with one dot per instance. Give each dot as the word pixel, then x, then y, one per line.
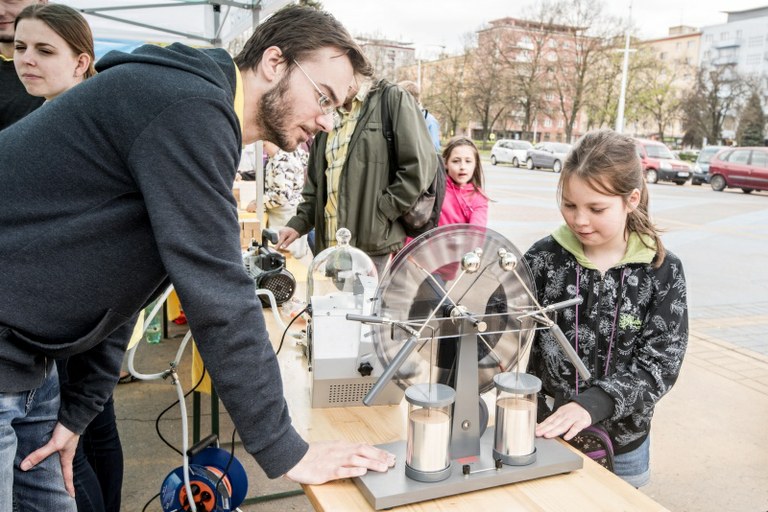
pixel 340 269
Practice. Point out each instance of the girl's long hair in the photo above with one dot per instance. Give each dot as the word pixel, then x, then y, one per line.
pixel 609 163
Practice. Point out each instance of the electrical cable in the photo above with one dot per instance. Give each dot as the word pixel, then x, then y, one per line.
pixel 282 338
pixel 150 501
pixel 159 416
pixel 184 436
pixel 229 462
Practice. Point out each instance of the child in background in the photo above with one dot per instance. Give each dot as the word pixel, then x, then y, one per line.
pixel 631 330
pixel 465 202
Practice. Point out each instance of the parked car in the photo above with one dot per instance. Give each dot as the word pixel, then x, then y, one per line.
pixel 701 167
pixel 510 151
pixel 659 164
pixel 547 155
pixel 745 168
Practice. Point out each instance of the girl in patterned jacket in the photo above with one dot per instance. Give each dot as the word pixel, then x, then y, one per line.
pixel 631 330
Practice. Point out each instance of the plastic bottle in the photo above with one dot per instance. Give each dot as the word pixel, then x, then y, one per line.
pixel 155 330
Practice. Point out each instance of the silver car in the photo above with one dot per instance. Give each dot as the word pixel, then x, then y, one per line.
pixel 510 151
pixel 701 167
pixel 547 155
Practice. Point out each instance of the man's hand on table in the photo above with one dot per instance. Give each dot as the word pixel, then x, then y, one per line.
pixel 331 460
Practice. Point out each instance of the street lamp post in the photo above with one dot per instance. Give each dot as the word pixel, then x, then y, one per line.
pixel 624 70
pixel 418 60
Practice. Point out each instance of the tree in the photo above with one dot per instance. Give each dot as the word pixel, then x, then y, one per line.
pixel 444 94
pixel 528 69
pixel 602 103
pixel 577 61
pixel 718 93
pixel 489 90
pixel 658 96
pixel 752 123
pixel 312 3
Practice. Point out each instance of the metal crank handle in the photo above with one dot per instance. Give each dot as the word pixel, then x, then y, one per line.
pixel 552 307
pixel 410 344
pixel 564 304
pixel 569 351
pixel 369 319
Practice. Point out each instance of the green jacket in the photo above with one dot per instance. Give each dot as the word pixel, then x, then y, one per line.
pixel 369 204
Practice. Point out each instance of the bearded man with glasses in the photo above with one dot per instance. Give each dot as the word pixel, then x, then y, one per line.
pixel 349 179
pixel 131 190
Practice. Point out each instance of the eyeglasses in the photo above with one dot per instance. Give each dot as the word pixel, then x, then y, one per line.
pixel 326 105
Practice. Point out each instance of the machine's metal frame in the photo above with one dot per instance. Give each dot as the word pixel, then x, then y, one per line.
pixel 473 466
pixel 469 447
pixel 393 488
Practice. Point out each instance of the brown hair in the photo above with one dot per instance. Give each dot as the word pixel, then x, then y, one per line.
pixel 609 163
pixel 298 31
pixel 477 177
pixel 67 23
pixel 412 88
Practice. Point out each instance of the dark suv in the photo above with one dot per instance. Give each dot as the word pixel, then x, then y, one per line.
pixel 659 164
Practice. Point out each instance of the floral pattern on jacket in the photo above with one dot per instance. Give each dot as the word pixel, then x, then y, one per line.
pixel 632 332
pixel 284 178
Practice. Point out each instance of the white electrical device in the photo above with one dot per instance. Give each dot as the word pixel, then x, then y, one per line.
pixel 341 355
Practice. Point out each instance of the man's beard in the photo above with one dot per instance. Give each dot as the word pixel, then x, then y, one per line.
pixel 6 38
pixel 272 115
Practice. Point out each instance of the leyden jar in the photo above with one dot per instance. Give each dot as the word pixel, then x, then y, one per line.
pixel 515 418
pixel 427 457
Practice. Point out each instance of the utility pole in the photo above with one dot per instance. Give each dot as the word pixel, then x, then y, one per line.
pixel 624 71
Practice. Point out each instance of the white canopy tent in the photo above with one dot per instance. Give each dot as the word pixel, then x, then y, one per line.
pixel 196 22
pixel 118 25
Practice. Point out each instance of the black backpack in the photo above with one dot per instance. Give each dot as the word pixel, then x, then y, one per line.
pixel 425 213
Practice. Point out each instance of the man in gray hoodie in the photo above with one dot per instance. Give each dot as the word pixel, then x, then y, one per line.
pixel 124 184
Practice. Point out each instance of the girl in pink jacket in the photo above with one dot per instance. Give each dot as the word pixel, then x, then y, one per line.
pixel 465 202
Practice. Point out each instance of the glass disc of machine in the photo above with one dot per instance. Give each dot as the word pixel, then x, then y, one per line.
pixel 429 284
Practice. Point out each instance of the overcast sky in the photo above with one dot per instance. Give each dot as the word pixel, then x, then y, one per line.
pixel 430 24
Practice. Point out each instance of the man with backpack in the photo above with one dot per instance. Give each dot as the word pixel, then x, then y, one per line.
pixel 357 180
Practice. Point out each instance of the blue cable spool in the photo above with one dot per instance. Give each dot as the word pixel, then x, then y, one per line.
pixel 205 470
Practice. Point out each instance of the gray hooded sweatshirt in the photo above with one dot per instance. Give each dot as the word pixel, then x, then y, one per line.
pixel 123 184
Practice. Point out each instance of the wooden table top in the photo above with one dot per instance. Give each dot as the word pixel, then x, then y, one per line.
pixel 590 489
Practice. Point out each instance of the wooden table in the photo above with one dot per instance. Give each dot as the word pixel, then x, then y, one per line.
pixel 591 489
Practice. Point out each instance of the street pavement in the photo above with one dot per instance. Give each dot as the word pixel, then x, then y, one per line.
pixel 709 451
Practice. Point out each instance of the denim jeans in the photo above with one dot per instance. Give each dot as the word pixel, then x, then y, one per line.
pixel 27 419
pixel 634 467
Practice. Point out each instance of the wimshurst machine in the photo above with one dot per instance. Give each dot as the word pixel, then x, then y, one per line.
pixel 452 318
